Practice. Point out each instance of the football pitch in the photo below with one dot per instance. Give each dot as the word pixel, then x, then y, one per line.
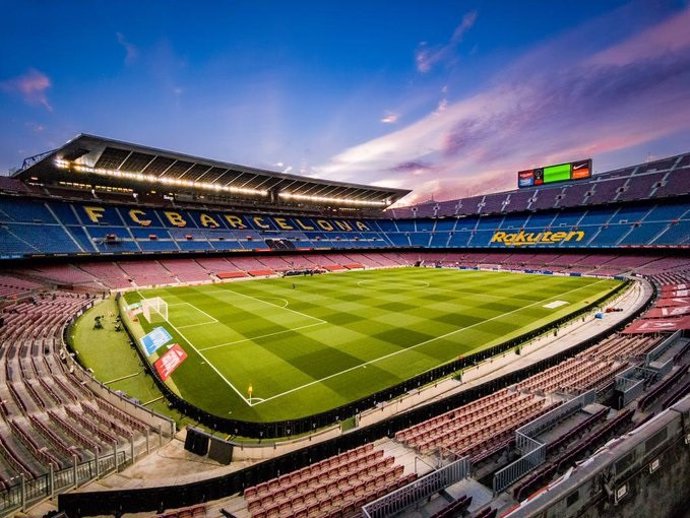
pixel 310 344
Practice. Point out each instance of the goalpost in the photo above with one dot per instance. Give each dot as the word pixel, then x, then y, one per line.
pixel 155 309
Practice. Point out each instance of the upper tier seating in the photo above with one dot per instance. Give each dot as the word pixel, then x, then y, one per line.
pixel 656 179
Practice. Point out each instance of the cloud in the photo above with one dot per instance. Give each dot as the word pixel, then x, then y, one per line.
pixel 427 57
pixel 131 51
pixel 35 127
pixel 413 167
pixel 442 105
pixel 544 111
pixel 31 86
pixel 390 118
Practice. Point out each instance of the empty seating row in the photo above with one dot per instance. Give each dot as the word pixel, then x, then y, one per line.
pixel 456 508
pixel 591 441
pixel 197 511
pixel 661 388
pixel 328 488
pixel 48 416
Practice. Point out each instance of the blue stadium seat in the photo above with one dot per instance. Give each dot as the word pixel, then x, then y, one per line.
pixel 609 236
pixel 26 211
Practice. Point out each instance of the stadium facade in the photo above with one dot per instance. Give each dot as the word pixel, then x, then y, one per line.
pixel 98 215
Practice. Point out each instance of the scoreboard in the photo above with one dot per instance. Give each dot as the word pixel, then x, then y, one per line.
pixel 579 170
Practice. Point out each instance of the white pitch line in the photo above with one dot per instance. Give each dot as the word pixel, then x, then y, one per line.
pixel 225 290
pixel 196 325
pixel 206 359
pixel 260 337
pixel 395 353
pixel 213 320
pixel 204 312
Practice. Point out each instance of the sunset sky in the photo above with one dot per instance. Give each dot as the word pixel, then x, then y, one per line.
pixel 446 98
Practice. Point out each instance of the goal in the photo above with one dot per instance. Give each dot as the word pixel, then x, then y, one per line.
pixel 155 309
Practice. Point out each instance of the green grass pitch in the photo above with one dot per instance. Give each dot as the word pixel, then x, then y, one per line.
pixel 332 339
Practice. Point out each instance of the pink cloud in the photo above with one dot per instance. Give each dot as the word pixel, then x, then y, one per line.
pixel 427 57
pixel 414 168
pixel 390 118
pixel 32 86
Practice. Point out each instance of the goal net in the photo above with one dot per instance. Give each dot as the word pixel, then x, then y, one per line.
pixel 155 309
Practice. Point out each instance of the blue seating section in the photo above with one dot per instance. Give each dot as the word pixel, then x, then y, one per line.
pixel 35 227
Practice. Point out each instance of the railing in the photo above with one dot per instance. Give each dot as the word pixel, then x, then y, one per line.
pixel 23 493
pixel 626 379
pixel 660 349
pixel 408 496
pixel 518 469
pixel 631 382
pixel 550 418
pixel 533 451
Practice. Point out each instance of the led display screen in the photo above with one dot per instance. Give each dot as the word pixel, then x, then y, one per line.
pixel 557 173
pixel 579 170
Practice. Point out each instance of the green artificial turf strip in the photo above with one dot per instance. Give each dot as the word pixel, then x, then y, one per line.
pixel 114 362
pixel 336 338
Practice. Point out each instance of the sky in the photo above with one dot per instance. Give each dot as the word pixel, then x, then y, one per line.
pixel 447 98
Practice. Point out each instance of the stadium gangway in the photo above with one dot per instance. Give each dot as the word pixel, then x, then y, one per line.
pixel 630 383
pixel 534 451
pixel 408 496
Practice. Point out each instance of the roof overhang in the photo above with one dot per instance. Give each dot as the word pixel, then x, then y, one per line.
pixel 89 159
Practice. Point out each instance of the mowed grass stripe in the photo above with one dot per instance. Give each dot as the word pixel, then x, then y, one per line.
pixel 420 344
pixel 359 350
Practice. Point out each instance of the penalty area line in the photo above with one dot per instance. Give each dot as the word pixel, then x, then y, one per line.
pixel 213 320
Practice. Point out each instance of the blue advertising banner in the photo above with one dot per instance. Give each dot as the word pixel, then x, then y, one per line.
pixel 155 339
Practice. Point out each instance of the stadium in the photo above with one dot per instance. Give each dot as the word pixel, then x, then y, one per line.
pixel 184 337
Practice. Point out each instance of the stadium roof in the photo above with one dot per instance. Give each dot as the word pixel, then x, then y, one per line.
pixel 87 158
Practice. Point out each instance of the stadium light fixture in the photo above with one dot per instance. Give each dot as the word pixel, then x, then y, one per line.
pixel 140 177
pixel 337 201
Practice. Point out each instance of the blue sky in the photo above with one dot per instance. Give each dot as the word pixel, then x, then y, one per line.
pixel 446 98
